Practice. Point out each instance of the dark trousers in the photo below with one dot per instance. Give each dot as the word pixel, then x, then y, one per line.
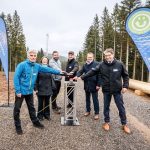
pixel 30 105
pixel 43 106
pixel 95 101
pixel 119 103
pixel 55 93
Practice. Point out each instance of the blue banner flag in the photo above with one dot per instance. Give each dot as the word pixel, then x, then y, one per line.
pixel 138 27
pixel 3 47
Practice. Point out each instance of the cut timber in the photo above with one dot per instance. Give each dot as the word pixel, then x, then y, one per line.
pixel 139 93
pixel 139 85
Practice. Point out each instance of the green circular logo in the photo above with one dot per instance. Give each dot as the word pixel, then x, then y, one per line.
pixel 139 23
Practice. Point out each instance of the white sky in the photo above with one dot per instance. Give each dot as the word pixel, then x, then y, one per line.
pixel 66 21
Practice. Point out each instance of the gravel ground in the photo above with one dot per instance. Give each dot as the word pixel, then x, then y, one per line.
pixel 88 136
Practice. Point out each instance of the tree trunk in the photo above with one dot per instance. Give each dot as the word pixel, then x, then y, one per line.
pixel 115 39
pixel 134 66
pixel 121 52
pixel 148 77
pixel 127 55
pixel 142 71
pixel 103 47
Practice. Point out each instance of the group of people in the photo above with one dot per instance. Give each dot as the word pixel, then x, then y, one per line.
pixel 45 79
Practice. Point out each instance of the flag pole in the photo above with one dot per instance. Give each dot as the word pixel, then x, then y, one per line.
pixel 8 65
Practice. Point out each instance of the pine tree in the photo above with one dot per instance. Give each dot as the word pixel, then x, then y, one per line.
pixel 40 54
pixel 18 41
pixel 107 29
pixel 116 37
pixel 92 40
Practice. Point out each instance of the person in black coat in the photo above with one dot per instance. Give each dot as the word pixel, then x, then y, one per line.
pixel 71 68
pixel 91 85
pixel 111 72
pixel 44 91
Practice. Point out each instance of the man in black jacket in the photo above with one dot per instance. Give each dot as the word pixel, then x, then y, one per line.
pixel 91 85
pixel 111 72
pixel 71 68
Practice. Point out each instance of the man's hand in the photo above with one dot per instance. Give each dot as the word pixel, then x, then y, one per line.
pixel 97 88
pixel 19 95
pixel 70 74
pixel 75 78
pixel 124 90
pixel 64 73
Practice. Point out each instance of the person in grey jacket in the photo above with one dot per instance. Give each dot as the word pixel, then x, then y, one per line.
pixel 56 64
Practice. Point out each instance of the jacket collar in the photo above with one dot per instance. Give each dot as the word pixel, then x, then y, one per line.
pixel 30 63
pixel 110 64
pixel 69 61
pixel 90 63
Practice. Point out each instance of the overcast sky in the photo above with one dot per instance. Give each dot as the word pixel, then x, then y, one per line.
pixel 66 21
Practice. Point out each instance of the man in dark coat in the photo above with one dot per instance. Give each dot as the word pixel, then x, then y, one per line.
pixel 91 85
pixel 71 68
pixel 111 72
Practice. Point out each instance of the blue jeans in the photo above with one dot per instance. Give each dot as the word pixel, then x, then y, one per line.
pixel 119 103
pixel 95 101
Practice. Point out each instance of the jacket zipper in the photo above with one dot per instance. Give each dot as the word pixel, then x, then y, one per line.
pixel 31 77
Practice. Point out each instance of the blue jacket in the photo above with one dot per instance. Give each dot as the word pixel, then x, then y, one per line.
pixel 26 75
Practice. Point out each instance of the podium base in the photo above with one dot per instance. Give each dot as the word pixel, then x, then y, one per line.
pixel 69 121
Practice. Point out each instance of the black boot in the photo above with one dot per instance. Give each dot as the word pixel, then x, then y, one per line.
pixel 37 124
pixel 47 117
pixel 19 130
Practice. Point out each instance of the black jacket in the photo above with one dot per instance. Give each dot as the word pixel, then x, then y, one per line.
pixel 72 66
pixel 111 76
pixel 91 82
pixel 44 84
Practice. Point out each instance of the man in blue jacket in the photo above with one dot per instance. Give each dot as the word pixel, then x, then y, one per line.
pixel 24 81
pixel 91 85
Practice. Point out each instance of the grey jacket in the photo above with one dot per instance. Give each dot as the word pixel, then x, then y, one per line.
pixel 56 65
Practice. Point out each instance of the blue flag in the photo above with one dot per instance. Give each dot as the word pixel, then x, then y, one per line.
pixel 138 27
pixel 3 47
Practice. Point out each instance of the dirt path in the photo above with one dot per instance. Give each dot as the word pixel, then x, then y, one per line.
pixel 88 136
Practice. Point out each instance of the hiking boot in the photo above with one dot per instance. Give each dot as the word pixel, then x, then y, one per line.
pixel 37 124
pixel 19 130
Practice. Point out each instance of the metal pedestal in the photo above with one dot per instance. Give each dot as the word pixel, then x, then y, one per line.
pixel 70 118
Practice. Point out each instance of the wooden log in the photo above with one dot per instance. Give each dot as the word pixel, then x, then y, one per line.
pixel 139 85
pixel 139 93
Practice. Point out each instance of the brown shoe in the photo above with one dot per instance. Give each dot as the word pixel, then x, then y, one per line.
pixel 87 114
pixel 106 126
pixel 126 129
pixel 96 117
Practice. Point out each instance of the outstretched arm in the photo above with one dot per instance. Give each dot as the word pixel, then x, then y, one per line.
pixel 49 70
pixel 91 73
